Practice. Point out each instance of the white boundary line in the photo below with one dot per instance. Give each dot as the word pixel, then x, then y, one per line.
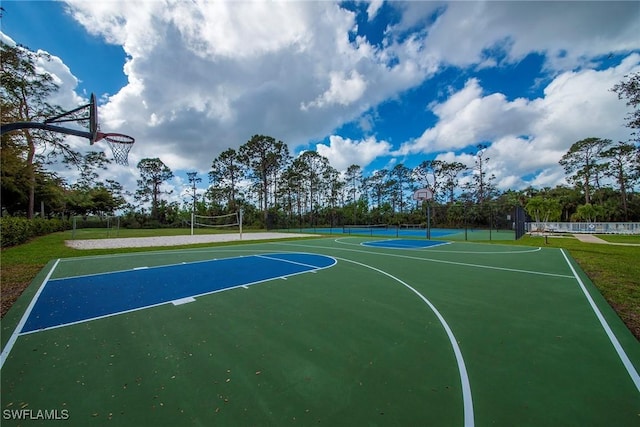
pixel 14 336
pixel 464 377
pixel 616 344
pixel 428 249
pixel 369 244
pixel 440 261
pixel 313 267
pixel 153 267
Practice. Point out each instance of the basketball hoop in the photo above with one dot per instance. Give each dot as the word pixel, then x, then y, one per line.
pixel 423 194
pixel 120 146
pixel 85 115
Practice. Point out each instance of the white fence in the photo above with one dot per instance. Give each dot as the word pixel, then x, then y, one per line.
pixel 584 227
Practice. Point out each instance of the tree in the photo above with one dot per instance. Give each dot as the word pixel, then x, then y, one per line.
pixel 88 166
pixel 13 177
pixel 630 89
pixel 353 179
pixel 25 90
pixel 313 169
pixel 450 173
pixel 193 180
pixel 263 156
pixel 334 185
pixel 153 173
pixel 427 175
pixel 116 194
pixel 226 173
pixel 622 163
pixel 89 194
pixel 402 181
pixel 378 185
pixel 482 186
pixel 569 199
pixel 588 212
pixel 543 209
pixel 581 163
pixel 290 191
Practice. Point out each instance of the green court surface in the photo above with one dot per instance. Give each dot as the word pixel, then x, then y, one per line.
pixel 459 334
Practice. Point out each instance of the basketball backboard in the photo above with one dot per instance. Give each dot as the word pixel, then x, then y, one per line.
pixel 423 194
pixel 93 119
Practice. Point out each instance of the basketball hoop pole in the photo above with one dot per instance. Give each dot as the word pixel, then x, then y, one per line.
pixel 240 221
pixel 44 126
pixel 60 118
pixel 425 195
pixel 428 219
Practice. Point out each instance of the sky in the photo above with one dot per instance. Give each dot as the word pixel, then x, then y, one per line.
pixel 369 83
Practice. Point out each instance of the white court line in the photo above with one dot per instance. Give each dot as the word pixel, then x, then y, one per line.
pixel 464 377
pixel 153 267
pixel 314 267
pixel 464 264
pixel 370 244
pixel 428 249
pixel 14 336
pixel 616 344
pixel 181 301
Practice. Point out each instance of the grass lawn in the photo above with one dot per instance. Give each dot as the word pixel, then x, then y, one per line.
pixel 615 270
pixel 617 238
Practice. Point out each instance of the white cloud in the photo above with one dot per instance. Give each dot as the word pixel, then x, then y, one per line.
pixel 373 8
pixel 61 75
pixel 205 76
pixel 580 104
pixel 528 137
pixel 342 90
pixel 469 118
pixel 569 33
pixel 344 152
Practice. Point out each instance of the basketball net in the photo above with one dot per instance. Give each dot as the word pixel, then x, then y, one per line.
pixel 120 146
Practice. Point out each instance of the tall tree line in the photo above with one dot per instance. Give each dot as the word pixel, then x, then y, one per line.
pixel 308 190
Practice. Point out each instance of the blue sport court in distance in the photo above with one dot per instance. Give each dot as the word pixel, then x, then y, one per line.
pixel 381 231
pixel 75 299
pixel 404 243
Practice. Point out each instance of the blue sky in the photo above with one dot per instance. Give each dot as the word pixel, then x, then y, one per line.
pixel 372 83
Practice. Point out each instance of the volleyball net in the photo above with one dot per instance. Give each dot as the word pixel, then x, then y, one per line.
pixel 218 223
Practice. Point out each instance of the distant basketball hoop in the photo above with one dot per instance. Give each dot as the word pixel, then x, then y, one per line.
pixel 423 194
pixel 86 115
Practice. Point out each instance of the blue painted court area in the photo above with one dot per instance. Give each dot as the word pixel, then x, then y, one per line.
pixel 75 299
pixel 404 244
pixel 391 231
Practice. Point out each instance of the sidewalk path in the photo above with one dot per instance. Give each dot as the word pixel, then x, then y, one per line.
pixel 590 238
